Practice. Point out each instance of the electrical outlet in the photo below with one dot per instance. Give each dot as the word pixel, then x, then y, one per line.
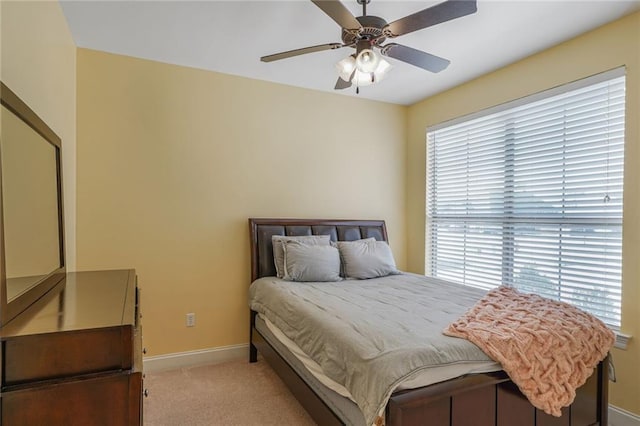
pixel 191 319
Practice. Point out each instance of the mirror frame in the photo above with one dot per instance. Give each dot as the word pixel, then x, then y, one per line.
pixel 10 309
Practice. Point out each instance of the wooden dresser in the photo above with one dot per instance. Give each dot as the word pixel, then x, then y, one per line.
pixel 75 356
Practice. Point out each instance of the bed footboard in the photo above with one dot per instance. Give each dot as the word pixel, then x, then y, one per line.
pixel 493 400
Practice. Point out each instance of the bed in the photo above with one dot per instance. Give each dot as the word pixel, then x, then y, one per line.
pixel 473 399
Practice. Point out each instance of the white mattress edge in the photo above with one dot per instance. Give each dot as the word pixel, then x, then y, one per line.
pixel 313 367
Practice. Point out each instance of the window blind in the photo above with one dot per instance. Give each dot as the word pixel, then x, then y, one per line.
pixel 531 196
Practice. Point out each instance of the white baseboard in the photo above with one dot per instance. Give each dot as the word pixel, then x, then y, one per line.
pixel 620 417
pixel 153 364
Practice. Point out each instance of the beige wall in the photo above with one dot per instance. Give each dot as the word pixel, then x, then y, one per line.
pixel 38 63
pixel 172 161
pixel 608 47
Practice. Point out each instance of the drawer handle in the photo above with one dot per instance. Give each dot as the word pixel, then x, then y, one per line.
pixel 144 351
pixel 146 393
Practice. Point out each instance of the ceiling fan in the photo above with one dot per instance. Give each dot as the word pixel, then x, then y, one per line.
pixel 366 33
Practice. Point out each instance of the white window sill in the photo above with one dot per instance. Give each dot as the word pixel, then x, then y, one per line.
pixel 621 340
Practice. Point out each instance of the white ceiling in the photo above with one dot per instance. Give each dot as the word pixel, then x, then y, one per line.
pixel 231 36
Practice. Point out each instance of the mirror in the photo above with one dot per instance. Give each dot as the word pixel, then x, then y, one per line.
pixel 31 199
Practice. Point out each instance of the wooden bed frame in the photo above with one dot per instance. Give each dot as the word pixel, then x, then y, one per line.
pixel 488 399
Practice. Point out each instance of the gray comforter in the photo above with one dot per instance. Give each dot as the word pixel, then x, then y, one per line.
pixel 370 335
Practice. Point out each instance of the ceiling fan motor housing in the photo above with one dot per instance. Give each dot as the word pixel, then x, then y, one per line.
pixel 371 30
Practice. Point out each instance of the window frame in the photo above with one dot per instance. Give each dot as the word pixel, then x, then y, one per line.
pixel 507 269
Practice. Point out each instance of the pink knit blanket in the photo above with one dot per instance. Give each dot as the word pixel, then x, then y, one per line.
pixel 547 348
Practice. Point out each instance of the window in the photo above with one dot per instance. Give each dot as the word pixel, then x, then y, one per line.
pixel 529 194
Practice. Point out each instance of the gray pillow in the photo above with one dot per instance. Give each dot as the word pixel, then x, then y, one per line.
pixel 335 244
pixel 368 258
pixel 278 251
pixel 304 262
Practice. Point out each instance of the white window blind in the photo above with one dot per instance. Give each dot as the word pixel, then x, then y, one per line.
pixel 531 196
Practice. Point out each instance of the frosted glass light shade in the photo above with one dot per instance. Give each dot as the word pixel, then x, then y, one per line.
pixel 346 67
pixel 361 79
pixel 382 69
pixel 367 61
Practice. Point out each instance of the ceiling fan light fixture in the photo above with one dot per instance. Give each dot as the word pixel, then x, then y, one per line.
pixel 366 78
pixel 348 71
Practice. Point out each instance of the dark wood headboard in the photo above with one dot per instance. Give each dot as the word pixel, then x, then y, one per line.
pixel 261 230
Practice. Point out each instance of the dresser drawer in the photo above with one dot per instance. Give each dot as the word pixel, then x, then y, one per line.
pixel 111 400
pixel 39 357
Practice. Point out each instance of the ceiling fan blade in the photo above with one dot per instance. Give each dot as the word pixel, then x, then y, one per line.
pixel 443 12
pixel 296 52
pixel 339 13
pixel 415 57
pixel 341 84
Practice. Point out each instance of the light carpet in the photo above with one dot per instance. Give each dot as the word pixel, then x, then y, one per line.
pixel 232 393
